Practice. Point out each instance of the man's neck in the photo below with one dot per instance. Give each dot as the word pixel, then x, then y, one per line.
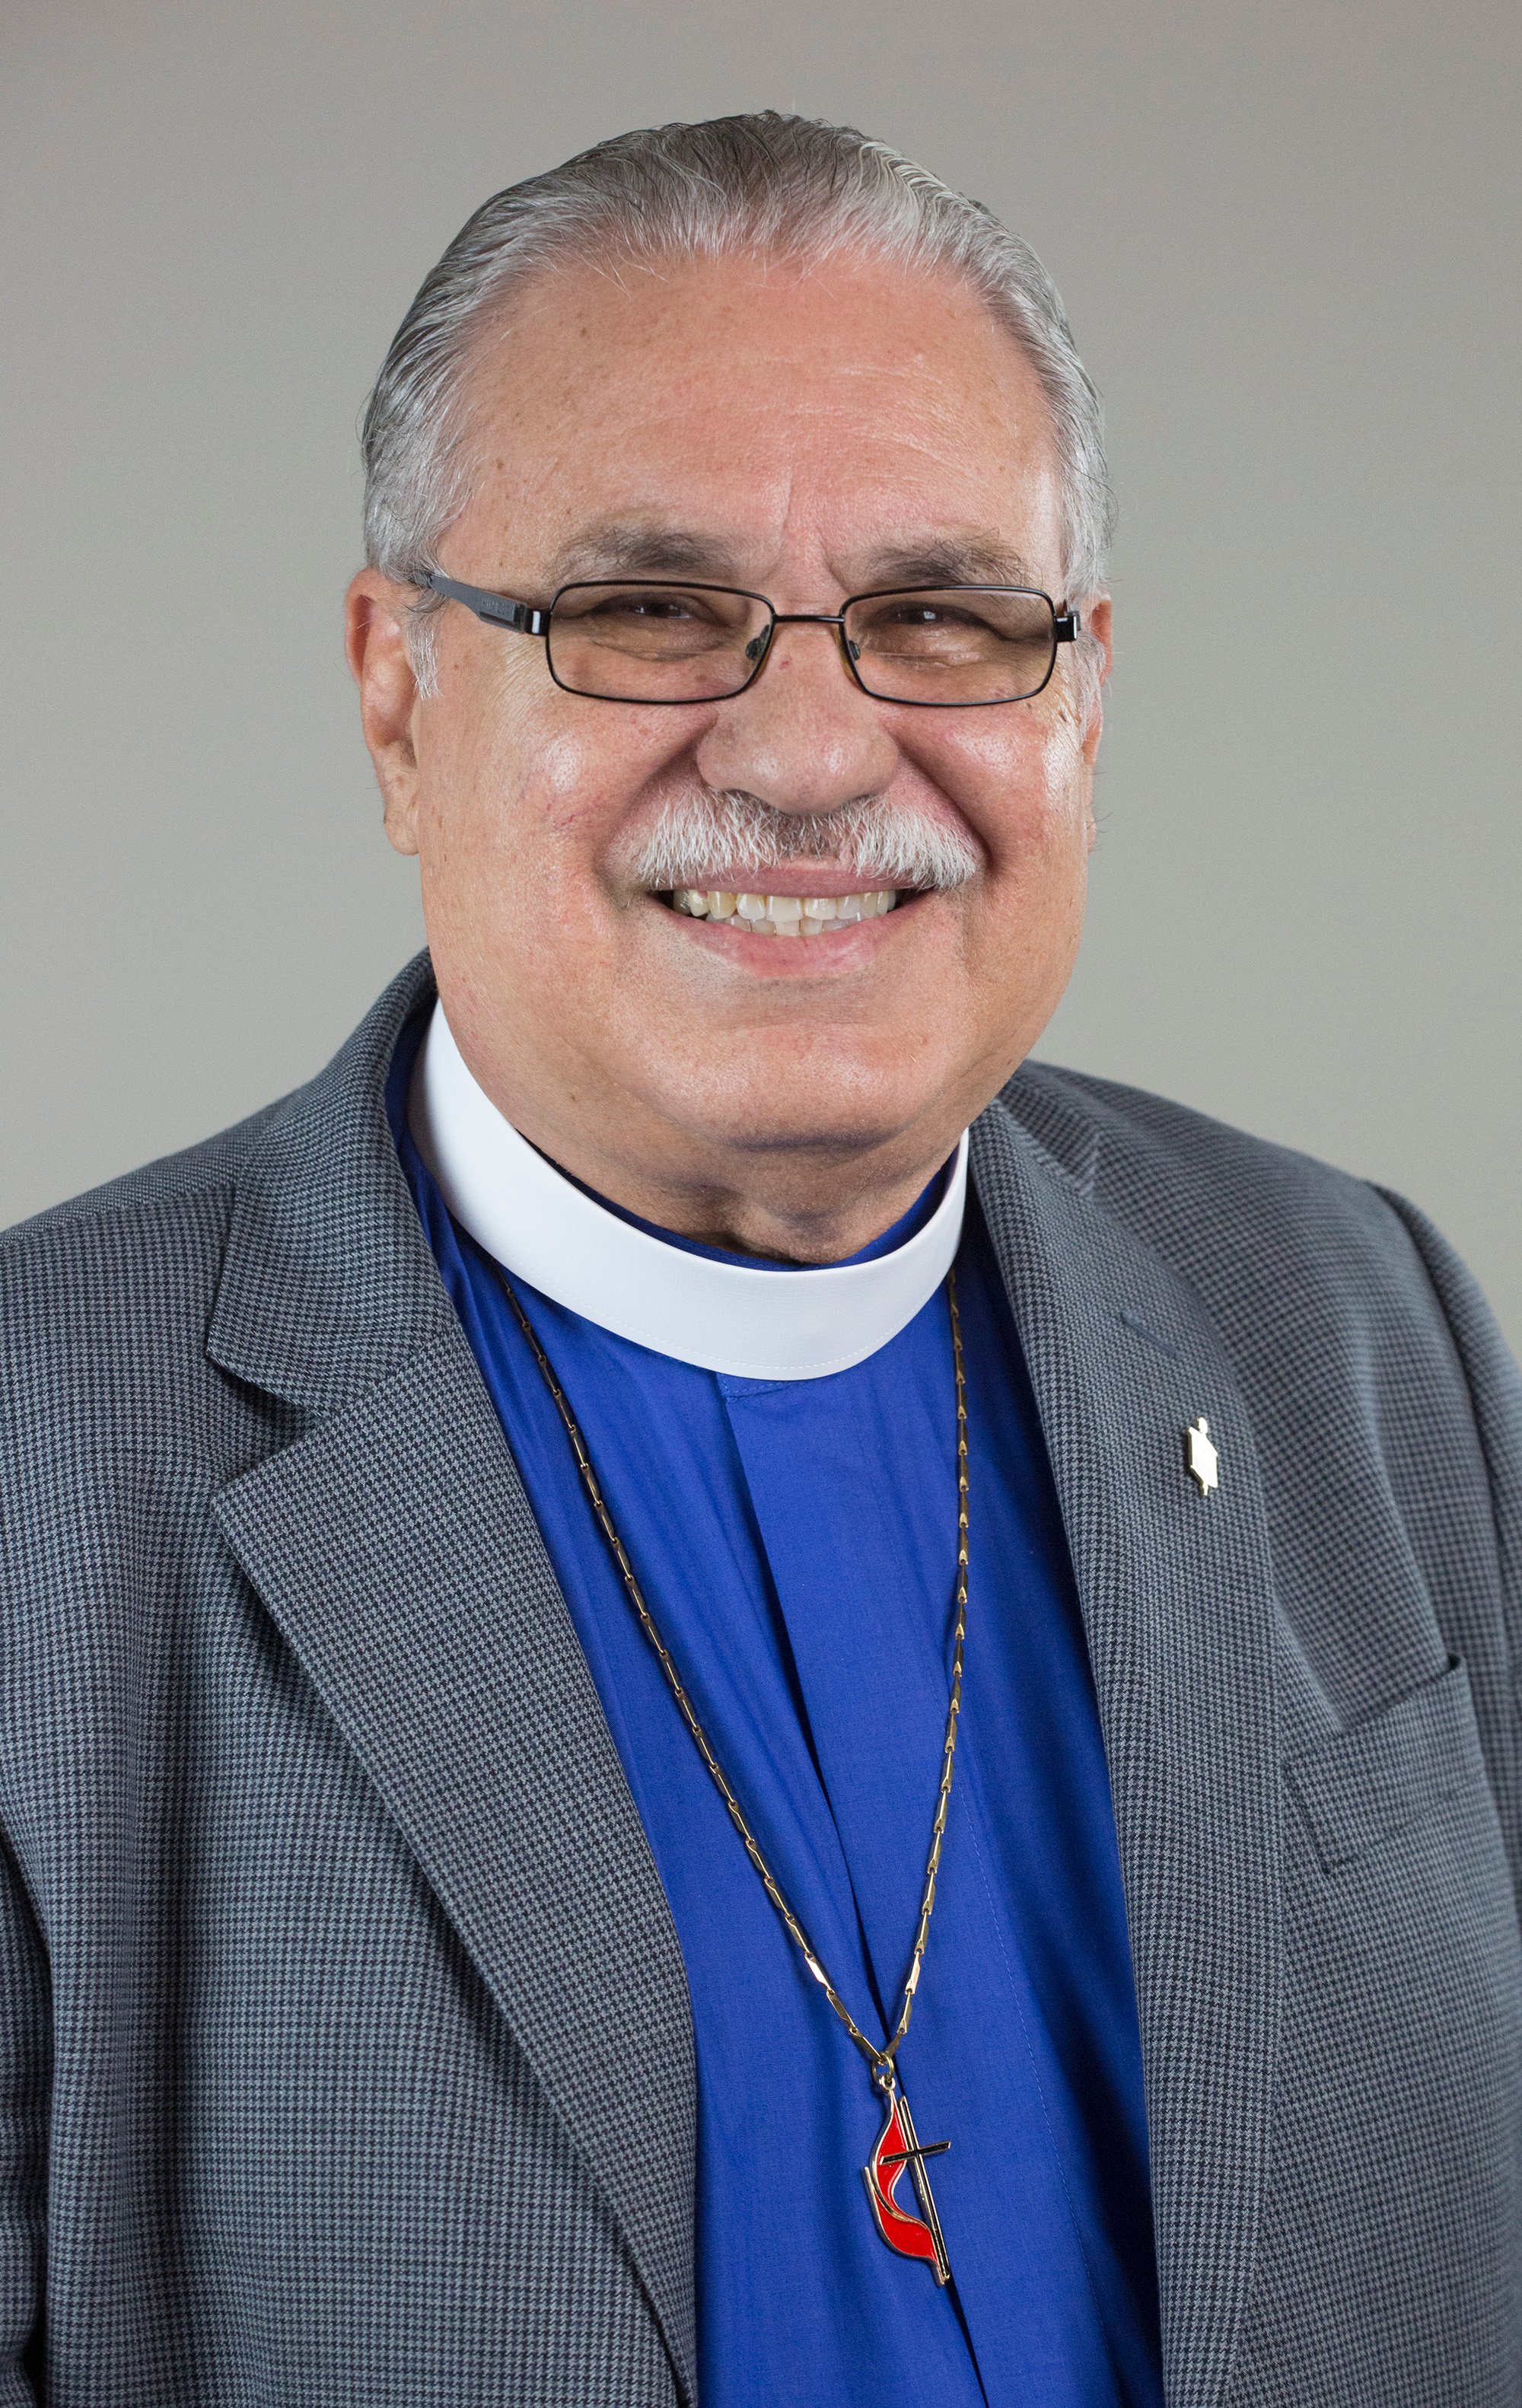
pixel 807 1202
pixel 805 1232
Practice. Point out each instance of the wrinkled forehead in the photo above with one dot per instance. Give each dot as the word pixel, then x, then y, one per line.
pixel 703 418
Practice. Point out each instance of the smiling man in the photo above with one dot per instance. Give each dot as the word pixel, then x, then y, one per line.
pixel 709 1696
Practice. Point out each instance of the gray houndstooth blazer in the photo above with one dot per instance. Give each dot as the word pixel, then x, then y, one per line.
pixel 344 2045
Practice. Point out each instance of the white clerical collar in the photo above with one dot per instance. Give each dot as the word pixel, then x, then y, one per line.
pixel 755 1325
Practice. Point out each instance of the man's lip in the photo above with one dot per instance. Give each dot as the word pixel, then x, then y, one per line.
pixel 820 882
pixel 837 952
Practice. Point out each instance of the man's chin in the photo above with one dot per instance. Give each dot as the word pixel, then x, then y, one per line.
pixel 808 1126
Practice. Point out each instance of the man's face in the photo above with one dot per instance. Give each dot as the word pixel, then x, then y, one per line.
pixel 806 436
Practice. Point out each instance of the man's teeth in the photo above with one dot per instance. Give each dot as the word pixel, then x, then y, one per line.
pixel 784 915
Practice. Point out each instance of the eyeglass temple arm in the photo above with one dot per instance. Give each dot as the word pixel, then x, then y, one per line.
pixel 500 609
pixel 1065 626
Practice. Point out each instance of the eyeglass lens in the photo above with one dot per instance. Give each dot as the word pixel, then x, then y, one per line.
pixel 673 643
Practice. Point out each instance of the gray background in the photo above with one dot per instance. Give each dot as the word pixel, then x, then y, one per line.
pixel 1287 239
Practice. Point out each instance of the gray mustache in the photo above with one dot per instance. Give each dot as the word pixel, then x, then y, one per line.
pixel 693 838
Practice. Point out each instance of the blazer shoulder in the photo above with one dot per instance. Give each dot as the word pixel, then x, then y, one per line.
pixel 140 1211
pixel 120 1279
pixel 114 1419
pixel 145 1197
pixel 1330 1294
pixel 108 1300
pixel 1253 1226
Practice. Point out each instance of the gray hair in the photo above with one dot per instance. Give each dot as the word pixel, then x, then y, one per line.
pixel 781 186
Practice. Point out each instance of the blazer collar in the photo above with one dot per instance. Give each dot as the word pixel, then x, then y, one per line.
pixel 1177 1594
pixel 394 1544
pixel 328 1285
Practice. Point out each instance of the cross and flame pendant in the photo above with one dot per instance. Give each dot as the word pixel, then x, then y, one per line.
pixel 899 2146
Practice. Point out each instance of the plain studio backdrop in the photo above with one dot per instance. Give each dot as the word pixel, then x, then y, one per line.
pixel 1288 240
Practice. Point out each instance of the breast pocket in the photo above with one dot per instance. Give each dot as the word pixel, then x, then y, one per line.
pixel 1365 1784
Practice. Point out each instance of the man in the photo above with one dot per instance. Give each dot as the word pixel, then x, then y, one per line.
pixel 669 1732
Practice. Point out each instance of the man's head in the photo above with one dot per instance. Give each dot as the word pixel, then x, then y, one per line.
pixel 762 354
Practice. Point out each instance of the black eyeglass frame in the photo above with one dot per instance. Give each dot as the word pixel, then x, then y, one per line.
pixel 526 618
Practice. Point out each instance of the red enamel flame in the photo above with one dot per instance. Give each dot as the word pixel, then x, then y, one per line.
pixel 910 2236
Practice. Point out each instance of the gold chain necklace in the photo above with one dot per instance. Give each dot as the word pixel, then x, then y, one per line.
pixel 897 2145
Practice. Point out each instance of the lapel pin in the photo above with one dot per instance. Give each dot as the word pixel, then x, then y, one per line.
pixel 1204 1461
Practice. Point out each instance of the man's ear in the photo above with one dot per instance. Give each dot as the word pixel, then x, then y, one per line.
pixel 375 640
pixel 1097 623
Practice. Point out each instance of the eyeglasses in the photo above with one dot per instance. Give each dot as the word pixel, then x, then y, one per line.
pixel 944 646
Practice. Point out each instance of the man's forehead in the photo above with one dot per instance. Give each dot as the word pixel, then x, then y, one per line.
pixel 818 425
pixel 646 544
pixel 717 356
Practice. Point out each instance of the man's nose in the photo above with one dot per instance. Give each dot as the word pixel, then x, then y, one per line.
pixel 803 738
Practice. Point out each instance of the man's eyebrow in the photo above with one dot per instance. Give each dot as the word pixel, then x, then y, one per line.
pixel 653 548
pixel 951 560
pixel 642 548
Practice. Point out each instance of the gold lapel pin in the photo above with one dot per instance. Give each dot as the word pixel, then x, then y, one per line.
pixel 1204 1461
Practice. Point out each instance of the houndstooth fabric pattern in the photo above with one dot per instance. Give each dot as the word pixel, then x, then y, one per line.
pixel 1309 1687
pixel 345 2056
pixel 278 2064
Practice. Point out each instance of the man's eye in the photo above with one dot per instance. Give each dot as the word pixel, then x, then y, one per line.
pixel 646 606
pixel 926 614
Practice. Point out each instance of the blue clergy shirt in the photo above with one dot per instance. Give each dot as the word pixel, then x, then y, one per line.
pixel 796 1542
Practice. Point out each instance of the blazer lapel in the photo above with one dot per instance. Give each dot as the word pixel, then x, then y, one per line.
pixel 1177 1595
pixel 394 1543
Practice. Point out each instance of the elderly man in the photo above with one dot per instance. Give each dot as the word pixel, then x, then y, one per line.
pixel 706 1695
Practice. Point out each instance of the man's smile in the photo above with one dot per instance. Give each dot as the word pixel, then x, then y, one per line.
pixel 771 934
pixel 783 914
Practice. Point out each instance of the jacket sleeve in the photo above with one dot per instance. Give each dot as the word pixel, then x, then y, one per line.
pixel 1495 1391
pixel 1495 1386
pixel 24 2084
